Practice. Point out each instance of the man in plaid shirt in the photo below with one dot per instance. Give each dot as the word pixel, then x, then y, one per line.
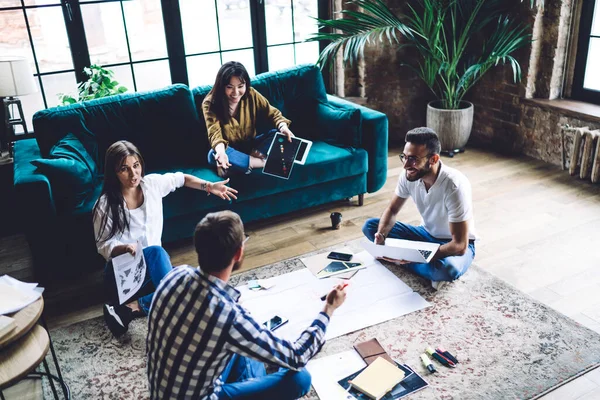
pixel 203 345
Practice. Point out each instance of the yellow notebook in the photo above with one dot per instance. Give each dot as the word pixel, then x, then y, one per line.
pixel 378 378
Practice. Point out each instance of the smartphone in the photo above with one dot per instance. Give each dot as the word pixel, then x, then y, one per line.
pixel 339 256
pixel 275 322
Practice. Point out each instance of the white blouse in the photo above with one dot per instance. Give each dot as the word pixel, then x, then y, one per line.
pixel 146 221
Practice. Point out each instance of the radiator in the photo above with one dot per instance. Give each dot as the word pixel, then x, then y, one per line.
pixel 585 152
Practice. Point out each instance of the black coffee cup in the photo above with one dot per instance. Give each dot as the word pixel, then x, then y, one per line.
pixel 336 220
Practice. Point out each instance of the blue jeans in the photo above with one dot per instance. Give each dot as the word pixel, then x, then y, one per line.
pixel 238 156
pixel 158 264
pixel 246 378
pixel 442 269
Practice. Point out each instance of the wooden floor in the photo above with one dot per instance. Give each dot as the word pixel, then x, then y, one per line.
pixel 540 232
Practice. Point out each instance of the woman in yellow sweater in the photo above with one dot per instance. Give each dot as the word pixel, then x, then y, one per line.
pixel 231 111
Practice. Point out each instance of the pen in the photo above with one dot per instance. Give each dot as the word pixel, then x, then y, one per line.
pixel 447 354
pixel 427 363
pixel 442 360
pixel 325 295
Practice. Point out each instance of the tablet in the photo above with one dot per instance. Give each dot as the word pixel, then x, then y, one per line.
pixel 281 156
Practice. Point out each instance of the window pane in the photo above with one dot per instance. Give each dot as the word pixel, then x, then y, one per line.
pixel 596 21
pixel 307 53
pixel 11 3
pixel 38 2
pixel 59 83
pixel 280 57
pixel 152 75
pixel 245 57
pixel 279 21
pixel 199 23
pixel 122 74
pixel 14 41
pixel 234 24
pixel 145 29
pixel 202 70
pixel 592 77
pixel 304 24
pixel 105 33
pixel 50 39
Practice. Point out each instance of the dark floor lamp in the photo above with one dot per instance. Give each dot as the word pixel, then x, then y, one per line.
pixel 16 79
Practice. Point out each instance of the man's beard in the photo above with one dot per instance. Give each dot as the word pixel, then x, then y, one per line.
pixel 238 264
pixel 420 174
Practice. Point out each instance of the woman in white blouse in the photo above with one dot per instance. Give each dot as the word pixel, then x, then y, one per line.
pixel 130 209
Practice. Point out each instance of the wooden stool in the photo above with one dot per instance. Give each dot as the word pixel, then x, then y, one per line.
pixel 25 348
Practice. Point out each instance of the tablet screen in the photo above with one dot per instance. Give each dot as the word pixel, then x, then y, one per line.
pixel 281 156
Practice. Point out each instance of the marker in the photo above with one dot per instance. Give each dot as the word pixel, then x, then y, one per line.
pixel 447 354
pixel 427 363
pixel 441 359
pixel 325 295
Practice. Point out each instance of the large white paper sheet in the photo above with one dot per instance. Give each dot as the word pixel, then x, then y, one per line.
pixel 16 295
pixel 375 295
pixel 130 272
pixel 327 371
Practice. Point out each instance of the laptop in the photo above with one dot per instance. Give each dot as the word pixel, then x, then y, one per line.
pixel 399 249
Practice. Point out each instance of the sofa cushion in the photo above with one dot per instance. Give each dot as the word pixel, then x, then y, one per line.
pixel 339 127
pixel 324 163
pixel 71 171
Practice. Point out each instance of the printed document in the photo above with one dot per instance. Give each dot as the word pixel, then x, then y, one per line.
pixel 130 273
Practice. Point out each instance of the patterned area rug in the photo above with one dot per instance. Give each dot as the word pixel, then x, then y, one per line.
pixel 509 345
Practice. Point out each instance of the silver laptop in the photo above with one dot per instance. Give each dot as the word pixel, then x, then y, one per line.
pixel 399 249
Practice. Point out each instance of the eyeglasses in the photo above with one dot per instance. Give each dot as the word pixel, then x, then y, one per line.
pixel 412 159
pixel 246 238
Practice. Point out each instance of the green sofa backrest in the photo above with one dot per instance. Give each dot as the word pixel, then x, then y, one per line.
pixel 162 123
pixel 295 91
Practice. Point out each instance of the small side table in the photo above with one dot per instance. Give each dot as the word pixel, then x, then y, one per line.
pixel 23 349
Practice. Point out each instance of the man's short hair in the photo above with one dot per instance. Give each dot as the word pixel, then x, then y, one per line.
pixel 217 237
pixel 426 136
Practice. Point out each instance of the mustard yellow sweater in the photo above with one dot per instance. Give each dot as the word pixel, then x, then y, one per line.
pixel 241 126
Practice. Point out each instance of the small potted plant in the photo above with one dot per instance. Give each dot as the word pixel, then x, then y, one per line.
pixel 100 83
pixel 457 42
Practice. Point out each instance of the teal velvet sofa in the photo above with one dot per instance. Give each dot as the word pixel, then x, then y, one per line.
pixel 348 158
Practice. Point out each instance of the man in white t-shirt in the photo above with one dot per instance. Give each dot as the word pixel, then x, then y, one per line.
pixel 443 197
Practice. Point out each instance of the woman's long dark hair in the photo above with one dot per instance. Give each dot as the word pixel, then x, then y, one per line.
pixel 111 189
pixel 219 103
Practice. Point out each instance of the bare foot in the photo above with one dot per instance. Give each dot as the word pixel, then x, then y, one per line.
pixel 134 305
pixel 256 162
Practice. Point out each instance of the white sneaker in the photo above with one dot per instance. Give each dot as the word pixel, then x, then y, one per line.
pixel 438 285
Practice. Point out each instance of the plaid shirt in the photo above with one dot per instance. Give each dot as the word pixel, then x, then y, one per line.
pixel 196 325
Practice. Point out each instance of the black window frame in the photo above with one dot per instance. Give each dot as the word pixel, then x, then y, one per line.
pixel 578 91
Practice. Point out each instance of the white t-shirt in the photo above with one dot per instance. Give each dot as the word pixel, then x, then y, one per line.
pixel 146 221
pixel 448 200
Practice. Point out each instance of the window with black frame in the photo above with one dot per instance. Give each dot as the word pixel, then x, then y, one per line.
pixel 586 79
pixel 150 44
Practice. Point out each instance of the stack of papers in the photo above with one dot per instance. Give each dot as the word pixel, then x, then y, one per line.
pixel 16 295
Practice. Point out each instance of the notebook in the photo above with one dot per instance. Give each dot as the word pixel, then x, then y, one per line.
pixel 370 350
pixel 378 378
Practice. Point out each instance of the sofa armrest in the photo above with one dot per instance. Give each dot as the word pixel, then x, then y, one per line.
pixel 374 141
pixel 32 189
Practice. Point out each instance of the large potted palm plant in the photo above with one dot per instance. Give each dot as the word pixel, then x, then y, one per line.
pixel 457 42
